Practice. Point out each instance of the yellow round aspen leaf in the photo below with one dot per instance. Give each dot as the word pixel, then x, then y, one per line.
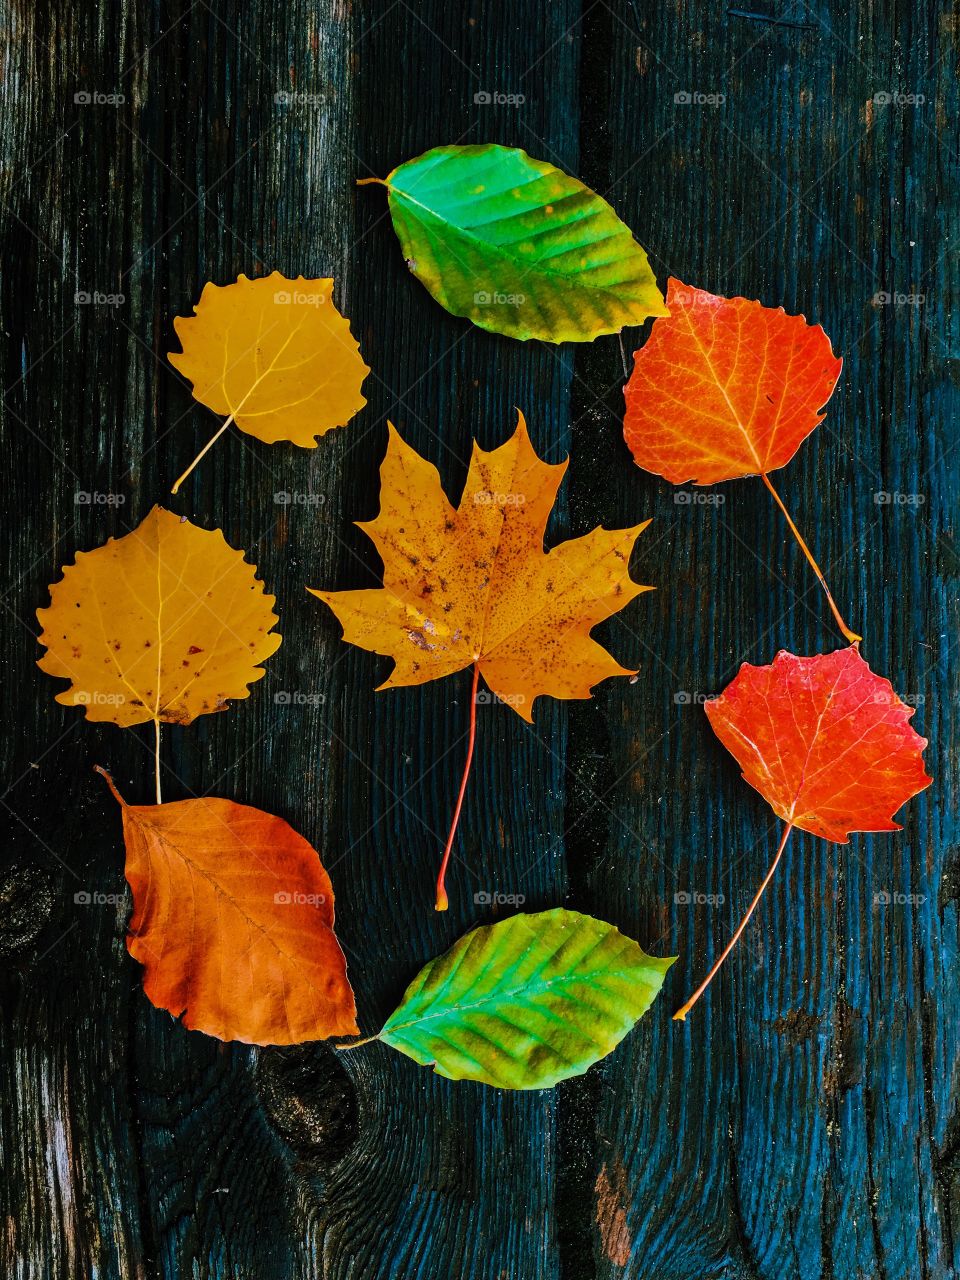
pixel 274 356
pixel 164 624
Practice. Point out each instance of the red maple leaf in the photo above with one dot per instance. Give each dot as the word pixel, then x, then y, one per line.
pixel 826 742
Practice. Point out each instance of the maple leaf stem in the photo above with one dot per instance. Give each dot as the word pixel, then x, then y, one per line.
pixel 206 448
pixel 156 758
pixel 681 1014
pixel 850 635
pixel 442 903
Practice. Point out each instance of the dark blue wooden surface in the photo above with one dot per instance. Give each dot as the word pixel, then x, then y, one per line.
pixel 802 1124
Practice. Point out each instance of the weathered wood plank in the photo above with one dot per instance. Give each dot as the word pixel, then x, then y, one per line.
pixel 803 1123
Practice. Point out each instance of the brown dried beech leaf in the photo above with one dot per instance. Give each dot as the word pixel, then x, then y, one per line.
pixel 164 624
pixel 233 923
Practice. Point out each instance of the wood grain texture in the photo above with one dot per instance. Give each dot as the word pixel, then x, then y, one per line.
pixel 803 1123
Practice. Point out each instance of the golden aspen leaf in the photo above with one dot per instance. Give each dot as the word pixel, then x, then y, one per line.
pixel 274 356
pixel 233 923
pixel 472 585
pixel 164 624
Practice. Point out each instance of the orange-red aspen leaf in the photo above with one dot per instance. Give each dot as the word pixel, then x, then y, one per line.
pixel 724 388
pixel 826 742
pixel 233 923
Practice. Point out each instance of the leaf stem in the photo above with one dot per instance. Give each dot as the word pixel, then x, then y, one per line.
pixel 850 635
pixel 681 1014
pixel 116 794
pixel 365 182
pixel 442 903
pixel 206 448
pixel 156 758
pixel 356 1043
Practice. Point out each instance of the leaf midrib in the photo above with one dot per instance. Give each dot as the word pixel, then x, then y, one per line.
pixel 571 279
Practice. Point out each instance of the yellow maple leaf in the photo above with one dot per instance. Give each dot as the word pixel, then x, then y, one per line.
pixel 471 586
pixel 273 354
pixel 164 624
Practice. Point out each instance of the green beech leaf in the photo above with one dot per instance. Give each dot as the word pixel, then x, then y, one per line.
pixel 526 1002
pixel 519 247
